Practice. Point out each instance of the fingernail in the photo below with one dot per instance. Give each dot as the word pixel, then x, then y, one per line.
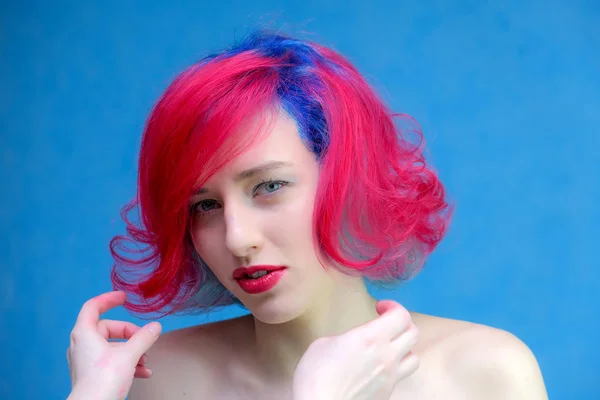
pixel 153 327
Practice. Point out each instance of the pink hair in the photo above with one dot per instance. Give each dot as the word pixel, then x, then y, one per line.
pixel 393 213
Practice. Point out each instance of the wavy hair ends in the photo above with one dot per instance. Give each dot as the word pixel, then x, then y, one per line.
pixel 394 211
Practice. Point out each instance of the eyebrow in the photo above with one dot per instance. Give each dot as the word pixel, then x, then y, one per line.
pixel 249 173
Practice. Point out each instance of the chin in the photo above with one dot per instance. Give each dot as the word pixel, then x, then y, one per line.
pixel 274 310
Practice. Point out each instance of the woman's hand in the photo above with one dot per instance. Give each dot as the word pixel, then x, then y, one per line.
pixel 100 367
pixel 364 363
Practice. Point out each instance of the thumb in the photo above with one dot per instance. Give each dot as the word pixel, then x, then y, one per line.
pixel 143 339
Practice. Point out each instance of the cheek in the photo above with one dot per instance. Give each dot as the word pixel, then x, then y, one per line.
pixel 207 243
pixel 292 228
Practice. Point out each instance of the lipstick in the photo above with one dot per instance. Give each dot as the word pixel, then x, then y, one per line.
pixel 258 278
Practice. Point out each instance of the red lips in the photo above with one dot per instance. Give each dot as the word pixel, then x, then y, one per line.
pixel 242 273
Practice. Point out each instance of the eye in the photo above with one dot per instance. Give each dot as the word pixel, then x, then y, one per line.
pixel 204 206
pixel 270 186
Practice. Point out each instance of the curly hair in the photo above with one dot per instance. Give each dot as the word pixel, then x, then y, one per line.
pixel 379 209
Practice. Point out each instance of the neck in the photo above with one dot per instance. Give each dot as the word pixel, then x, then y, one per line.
pixel 279 347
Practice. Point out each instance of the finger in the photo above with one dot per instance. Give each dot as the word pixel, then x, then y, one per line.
pixel 394 320
pixel 143 339
pixel 110 329
pixel 142 372
pixel 408 366
pixel 143 360
pixel 384 306
pixel 404 343
pixel 93 308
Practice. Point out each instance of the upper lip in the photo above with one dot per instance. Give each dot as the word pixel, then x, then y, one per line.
pixel 243 271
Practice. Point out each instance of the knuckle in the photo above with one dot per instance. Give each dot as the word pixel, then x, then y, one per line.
pixel 87 304
pixel 413 333
pixel 414 366
pixel 370 339
pixel 415 329
pixel 75 335
pixel 411 362
pixel 404 315
pixel 387 359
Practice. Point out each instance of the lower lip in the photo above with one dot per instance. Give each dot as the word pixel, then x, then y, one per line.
pixel 262 284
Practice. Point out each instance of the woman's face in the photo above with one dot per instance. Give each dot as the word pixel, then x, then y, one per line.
pixel 257 211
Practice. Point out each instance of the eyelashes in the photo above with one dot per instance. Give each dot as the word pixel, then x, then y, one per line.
pixel 269 183
pixel 266 188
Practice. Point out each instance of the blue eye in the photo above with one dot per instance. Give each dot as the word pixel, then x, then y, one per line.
pixel 266 188
pixel 205 206
pixel 270 186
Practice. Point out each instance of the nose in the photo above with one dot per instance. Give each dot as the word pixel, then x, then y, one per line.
pixel 243 236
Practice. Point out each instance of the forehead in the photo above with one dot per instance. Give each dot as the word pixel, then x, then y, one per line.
pixel 281 142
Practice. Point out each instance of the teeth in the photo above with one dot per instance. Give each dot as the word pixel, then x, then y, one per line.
pixel 258 274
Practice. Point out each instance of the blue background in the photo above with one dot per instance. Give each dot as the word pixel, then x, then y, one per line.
pixel 508 93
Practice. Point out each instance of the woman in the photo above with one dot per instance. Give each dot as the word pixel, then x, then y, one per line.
pixel 272 176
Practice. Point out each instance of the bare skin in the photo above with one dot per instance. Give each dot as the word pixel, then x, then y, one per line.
pixel 238 222
pixel 459 360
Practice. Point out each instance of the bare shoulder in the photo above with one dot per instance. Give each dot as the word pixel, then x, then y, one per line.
pixel 481 361
pixel 190 362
